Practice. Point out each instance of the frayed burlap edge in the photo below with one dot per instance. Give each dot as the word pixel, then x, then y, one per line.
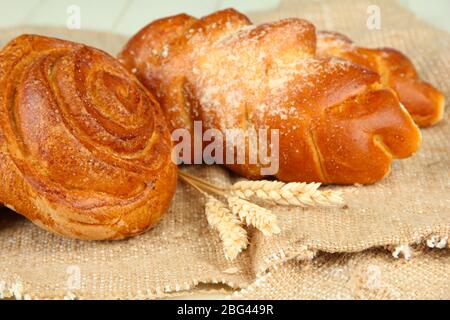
pixel 405 251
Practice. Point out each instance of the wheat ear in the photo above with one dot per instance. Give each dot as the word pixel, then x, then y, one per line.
pixel 288 194
pixel 254 215
pixel 231 232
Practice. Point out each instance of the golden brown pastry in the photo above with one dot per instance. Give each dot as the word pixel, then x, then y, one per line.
pixel 422 100
pixel 84 147
pixel 337 123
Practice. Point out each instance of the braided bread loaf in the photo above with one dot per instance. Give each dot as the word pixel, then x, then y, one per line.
pixel 337 123
pixel 84 148
pixel 422 100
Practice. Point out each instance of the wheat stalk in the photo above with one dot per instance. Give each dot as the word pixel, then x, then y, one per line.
pixel 231 232
pixel 254 215
pixel 228 220
pixel 201 184
pixel 288 194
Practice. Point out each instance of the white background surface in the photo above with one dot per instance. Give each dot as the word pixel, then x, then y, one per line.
pixel 128 16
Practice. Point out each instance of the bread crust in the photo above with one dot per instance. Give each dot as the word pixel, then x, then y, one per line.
pixel 424 102
pixel 84 147
pixel 337 123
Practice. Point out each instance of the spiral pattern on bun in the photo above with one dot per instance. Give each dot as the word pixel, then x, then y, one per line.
pixel 84 147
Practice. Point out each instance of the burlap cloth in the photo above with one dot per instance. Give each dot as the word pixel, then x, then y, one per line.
pixel 326 253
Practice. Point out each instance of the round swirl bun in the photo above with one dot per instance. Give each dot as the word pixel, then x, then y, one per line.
pixel 84 148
